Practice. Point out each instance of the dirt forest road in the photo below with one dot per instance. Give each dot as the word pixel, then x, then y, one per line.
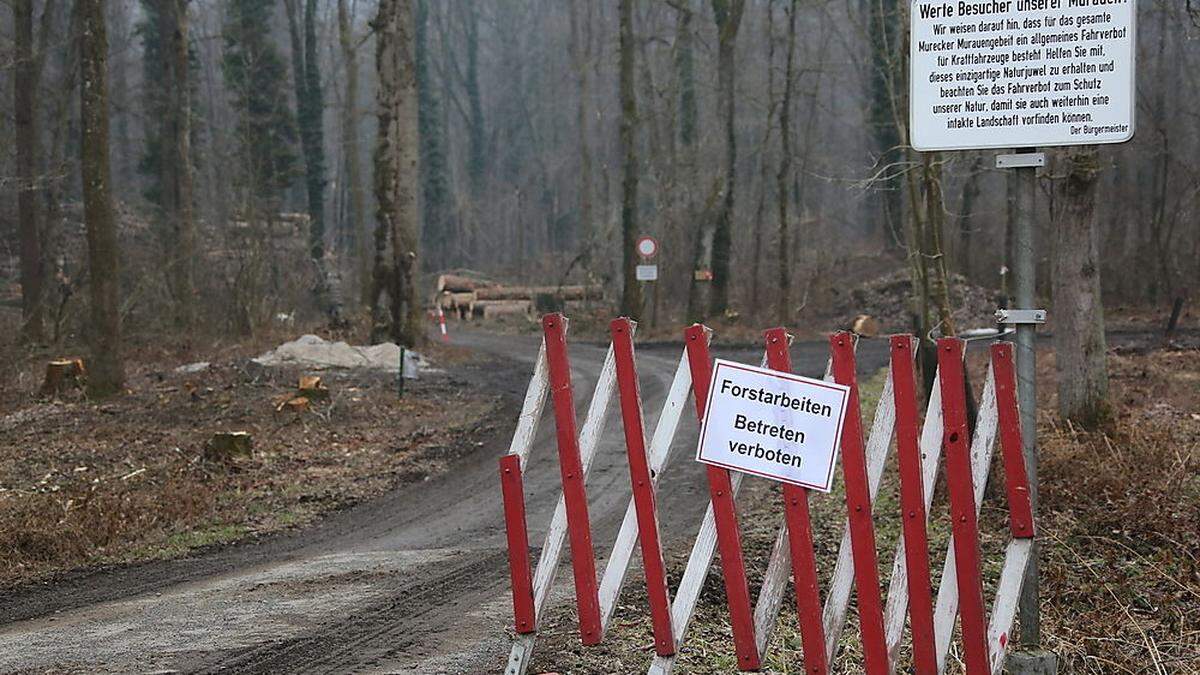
pixel 415 581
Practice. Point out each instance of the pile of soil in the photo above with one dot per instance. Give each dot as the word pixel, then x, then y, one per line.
pixel 889 300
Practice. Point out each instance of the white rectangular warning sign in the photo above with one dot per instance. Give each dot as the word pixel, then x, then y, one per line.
pixel 647 272
pixel 772 424
pixel 1021 73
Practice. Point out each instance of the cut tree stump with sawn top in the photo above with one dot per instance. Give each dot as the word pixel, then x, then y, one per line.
pixel 62 374
pixel 312 388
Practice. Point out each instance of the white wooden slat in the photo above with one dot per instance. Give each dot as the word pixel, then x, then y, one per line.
pixel 531 409
pixel 770 596
pixel 660 448
pixel 1008 592
pixel 692 582
pixel 694 574
pixel 930 444
pixel 982 447
pixel 547 567
pixel 779 568
pixel 837 603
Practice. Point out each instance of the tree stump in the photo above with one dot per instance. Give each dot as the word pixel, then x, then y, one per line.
pixel 225 446
pixel 297 405
pixel 865 325
pixel 312 388
pixel 62 374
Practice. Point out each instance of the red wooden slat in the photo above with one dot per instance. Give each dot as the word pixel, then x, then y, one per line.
pixel 729 539
pixel 962 506
pixel 643 486
pixel 579 530
pixel 800 538
pixel 858 505
pixel 912 503
pixel 1020 510
pixel 512 488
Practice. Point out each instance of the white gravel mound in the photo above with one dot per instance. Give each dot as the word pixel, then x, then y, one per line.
pixel 313 352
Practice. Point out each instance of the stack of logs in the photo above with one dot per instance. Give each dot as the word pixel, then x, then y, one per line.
pixel 468 298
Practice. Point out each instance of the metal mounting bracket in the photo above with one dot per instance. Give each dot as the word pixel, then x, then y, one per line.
pixel 1021 160
pixel 1020 316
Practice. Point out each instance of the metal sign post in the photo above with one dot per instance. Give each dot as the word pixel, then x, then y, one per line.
pixel 647 272
pixel 1024 315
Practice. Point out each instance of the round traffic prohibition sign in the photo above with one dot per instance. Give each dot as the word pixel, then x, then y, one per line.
pixel 647 246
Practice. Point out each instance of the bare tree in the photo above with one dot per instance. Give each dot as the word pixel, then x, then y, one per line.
pixel 728 16
pixel 631 296
pixel 107 374
pixel 350 146
pixel 783 310
pixel 1079 342
pixel 29 62
pixel 397 169
pixel 176 165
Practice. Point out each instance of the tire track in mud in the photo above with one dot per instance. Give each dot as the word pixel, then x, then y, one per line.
pixel 385 632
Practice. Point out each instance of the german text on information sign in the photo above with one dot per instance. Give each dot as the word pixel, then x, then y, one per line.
pixel 772 424
pixel 1021 73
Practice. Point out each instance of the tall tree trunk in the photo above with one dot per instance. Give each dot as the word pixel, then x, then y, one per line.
pixel 306 76
pixel 966 217
pixel 1079 342
pixel 685 67
pixel 783 310
pixel 397 166
pixel 25 85
pixel 631 296
pixel 176 165
pixel 728 16
pixel 885 82
pixel 581 52
pixel 106 373
pixel 436 230
pixel 350 147
pixel 933 255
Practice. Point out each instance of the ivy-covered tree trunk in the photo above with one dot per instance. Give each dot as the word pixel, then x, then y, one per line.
pixel 254 74
pixel 397 169
pixel 306 79
pixel 436 234
pixel 106 373
pixel 728 16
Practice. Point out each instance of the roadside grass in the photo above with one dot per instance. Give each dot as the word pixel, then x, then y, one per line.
pixel 1118 525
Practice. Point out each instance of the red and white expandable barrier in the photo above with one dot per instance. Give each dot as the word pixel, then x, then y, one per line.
pixel 967 460
pixel 442 324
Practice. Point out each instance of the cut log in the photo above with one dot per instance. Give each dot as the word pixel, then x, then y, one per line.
pixel 456 301
pixel 459 284
pixel 579 292
pixel 63 374
pixel 312 387
pixel 225 446
pixel 490 309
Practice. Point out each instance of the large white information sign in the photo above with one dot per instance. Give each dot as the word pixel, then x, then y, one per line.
pixel 772 424
pixel 1021 73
